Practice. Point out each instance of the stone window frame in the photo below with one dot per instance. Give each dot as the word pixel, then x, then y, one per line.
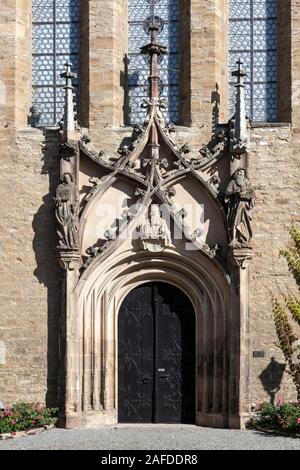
pixel 184 54
pixel 98 110
pixel 102 51
pixel 284 66
pixel 57 22
pixel 195 92
pixel 168 35
pixel 259 54
pixel 116 116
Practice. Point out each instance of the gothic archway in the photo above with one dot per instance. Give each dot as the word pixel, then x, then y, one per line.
pixel 154 214
pixel 99 296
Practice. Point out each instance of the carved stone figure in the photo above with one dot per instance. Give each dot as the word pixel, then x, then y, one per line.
pixel 164 163
pixel 123 151
pixel 96 182
pixel 170 192
pixel 139 192
pixel 185 149
pixel 215 182
pixel 137 135
pixel 154 230
pixel 239 196
pixel 66 212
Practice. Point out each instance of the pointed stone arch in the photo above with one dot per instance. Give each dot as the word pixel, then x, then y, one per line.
pixel 107 260
pixel 100 294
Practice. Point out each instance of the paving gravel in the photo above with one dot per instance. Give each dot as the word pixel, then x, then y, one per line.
pixel 151 438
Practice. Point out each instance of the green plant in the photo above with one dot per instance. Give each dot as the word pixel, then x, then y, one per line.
pixel 287 307
pixel 23 416
pixel 280 417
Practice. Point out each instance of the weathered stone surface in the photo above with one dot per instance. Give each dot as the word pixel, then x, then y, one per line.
pixel 30 278
pixel 274 171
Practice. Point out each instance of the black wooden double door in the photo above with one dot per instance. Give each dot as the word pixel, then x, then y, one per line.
pixel 156 356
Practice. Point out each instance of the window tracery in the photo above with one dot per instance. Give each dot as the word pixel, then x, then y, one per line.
pixel 55 41
pixel 140 13
pixel 253 39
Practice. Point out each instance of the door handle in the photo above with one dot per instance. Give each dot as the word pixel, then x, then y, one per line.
pixel 146 380
pixel 164 376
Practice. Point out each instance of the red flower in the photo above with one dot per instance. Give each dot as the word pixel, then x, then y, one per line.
pixel 280 401
pixel 298 420
pixel 38 406
pixel 33 421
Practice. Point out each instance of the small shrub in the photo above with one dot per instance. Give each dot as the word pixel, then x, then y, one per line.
pixel 24 416
pixel 279 417
pixel 286 308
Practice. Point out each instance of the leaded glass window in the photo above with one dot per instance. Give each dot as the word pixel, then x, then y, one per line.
pixel 140 13
pixel 55 41
pixel 253 38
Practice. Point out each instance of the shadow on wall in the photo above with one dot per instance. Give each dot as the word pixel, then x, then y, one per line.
pixel 47 271
pixel 216 101
pixel 271 378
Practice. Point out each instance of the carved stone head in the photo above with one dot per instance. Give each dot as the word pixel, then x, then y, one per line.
pixel 240 176
pixel 67 178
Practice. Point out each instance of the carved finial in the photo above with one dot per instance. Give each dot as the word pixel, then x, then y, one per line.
pixel 154 50
pixel 239 137
pixel 69 118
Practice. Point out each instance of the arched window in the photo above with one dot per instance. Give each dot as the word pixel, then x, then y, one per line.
pixel 253 38
pixel 55 41
pixel 140 13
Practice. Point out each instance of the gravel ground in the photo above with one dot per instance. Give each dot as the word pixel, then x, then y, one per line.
pixel 151 437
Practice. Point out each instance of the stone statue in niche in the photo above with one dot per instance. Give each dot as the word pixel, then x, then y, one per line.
pixel 154 231
pixel 239 196
pixel 66 212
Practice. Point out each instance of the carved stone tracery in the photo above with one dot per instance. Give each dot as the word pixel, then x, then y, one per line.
pixel 153 164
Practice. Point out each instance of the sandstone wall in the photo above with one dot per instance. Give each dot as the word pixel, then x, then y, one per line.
pixel 274 171
pixel 30 278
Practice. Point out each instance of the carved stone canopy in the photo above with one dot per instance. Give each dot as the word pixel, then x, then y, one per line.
pixel 157 167
pixel 161 173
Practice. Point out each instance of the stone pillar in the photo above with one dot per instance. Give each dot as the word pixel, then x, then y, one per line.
pixel 69 259
pixel 284 60
pixel 67 218
pixel 103 53
pixel 208 65
pixel 71 416
pixel 295 67
pixel 239 374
